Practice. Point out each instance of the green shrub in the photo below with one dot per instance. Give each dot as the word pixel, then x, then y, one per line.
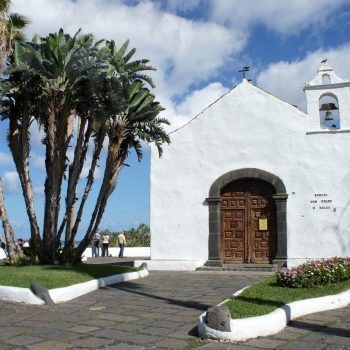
pixel 315 273
pixel 24 260
pixel 139 237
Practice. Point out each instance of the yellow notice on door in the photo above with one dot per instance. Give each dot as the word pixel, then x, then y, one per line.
pixel 263 224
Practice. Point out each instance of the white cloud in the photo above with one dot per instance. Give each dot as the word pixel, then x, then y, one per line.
pixel 36 135
pixel 182 5
pixel 285 17
pixel 70 155
pixel 189 52
pixel 85 171
pixel 39 190
pixel 285 79
pixel 193 104
pixel 86 166
pixel 38 162
pixel 10 182
pixel 18 224
pixel 184 51
pixel 5 158
pixel 200 99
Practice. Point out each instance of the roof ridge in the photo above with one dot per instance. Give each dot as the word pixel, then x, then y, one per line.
pixel 226 93
pixel 278 98
pixel 203 110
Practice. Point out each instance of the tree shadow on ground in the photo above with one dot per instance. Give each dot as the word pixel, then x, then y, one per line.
pixel 140 290
pixel 319 328
pixel 94 270
pixel 260 301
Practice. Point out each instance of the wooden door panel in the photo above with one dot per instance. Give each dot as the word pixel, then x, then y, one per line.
pixel 261 242
pixel 243 204
pixel 233 235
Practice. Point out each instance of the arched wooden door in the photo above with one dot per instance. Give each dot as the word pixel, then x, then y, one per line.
pixel 248 216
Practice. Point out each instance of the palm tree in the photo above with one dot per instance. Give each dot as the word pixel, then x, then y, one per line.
pixel 12 245
pixel 138 122
pixel 11 26
pixel 56 81
pixel 16 108
pixel 113 91
pixel 11 29
pixel 44 73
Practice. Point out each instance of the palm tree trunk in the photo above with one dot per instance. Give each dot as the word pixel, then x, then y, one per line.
pixel 61 229
pixel 59 131
pixel 12 246
pixel 117 152
pixel 19 146
pixel 75 169
pixel 51 195
pixel 95 157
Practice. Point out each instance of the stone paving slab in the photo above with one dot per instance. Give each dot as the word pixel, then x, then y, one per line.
pixel 159 312
pixel 224 346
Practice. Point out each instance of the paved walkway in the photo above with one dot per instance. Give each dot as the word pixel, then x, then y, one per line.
pixel 158 312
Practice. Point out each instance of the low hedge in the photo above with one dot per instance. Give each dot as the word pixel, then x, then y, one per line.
pixel 315 273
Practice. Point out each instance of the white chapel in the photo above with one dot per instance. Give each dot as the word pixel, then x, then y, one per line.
pixel 254 180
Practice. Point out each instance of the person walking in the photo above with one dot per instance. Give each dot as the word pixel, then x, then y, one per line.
pixel 105 244
pixel 2 243
pixel 122 244
pixel 25 247
pixel 96 245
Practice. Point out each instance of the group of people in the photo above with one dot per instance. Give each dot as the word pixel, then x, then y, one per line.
pixel 23 244
pixel 105 244
pixel 2 243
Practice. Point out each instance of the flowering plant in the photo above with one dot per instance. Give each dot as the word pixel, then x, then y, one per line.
pixel 315 273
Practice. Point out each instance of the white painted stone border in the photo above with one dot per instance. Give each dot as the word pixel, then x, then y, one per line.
pixel 272 323
pixel 59 295
pixel 19 295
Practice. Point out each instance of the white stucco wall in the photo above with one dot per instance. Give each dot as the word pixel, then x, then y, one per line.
pixel 129 252
pixel 250 128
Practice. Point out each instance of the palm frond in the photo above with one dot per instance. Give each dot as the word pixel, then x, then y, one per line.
pixel 18 21
pixel 138 65
pixel 4 6
pixel 123 48
pixel 143 77
pixel 129 55
pixel 136 145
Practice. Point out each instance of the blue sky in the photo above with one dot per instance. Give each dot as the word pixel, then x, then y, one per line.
pixel 198 46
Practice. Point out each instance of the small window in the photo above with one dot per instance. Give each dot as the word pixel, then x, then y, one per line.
pixel 326 79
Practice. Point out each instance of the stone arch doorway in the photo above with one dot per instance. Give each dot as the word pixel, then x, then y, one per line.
pixel 275 195
pixel 248 228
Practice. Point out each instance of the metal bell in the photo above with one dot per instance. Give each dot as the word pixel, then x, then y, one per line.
pixel 329 116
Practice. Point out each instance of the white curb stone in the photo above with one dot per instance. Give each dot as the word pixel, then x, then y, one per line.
pixel 272 323
pixel 19 295
pixel 59 295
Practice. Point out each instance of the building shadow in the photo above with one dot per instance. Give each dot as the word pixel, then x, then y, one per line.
pixel 258 301
pixel 319 328
pixel 140 290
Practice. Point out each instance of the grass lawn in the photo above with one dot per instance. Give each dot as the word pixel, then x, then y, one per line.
pixel 53 276
pixel 266 296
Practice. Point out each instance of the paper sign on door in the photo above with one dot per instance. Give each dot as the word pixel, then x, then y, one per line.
pixel 263 224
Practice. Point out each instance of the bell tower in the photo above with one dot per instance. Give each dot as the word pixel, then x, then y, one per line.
pixel 328 100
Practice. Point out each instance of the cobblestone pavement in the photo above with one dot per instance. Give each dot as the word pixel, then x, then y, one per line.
pixel 158 312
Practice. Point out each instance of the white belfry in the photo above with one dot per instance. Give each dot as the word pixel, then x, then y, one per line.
pixel 326 84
